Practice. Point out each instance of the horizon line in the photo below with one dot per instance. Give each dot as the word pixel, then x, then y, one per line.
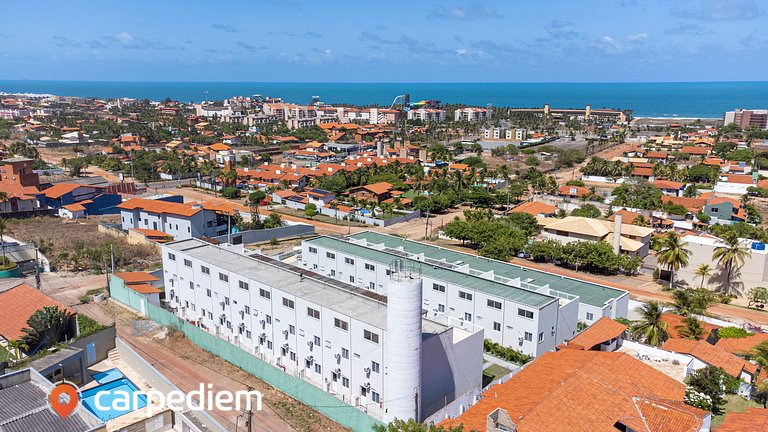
pixel 382 82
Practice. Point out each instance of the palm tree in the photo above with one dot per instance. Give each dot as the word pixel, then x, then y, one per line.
pixel 650 328
pixel 731 256
pixel 47 326
pixel 690 329
pixel 760 354
pixel 673 254
pixel 3 230
pixel 17 346
pixel 703 271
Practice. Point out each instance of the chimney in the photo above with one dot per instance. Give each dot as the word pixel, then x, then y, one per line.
pixel 616 233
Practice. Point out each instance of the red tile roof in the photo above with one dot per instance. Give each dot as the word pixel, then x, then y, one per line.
pixel 693 205
pixel 711 355
pixel 18 304
pixel 674 320
pixel 144 288
pixel 158 206
pixel 603 330
pixel 136 277
pixel 754 419
pixel 575 390
pixel 58 190
pixel 740 179
pixel 666 184
pixel 695 150
pixel 627 217
pixel 534 208
pixel 742 345
pixel 577 191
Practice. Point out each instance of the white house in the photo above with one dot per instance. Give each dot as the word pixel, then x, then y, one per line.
pixel 182 221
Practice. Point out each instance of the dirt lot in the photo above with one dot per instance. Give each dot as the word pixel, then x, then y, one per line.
pixel 78 245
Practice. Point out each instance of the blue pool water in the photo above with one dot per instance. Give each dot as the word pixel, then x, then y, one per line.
pixel 113 391
pixel 108 376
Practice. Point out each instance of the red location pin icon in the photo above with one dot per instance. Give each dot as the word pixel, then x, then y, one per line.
pixel 63 399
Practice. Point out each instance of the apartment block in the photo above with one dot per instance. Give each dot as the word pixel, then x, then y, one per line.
pixel 529 310
pixel 368 351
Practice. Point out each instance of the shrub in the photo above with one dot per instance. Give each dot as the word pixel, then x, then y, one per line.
pixel 230 192
pixel 88 325
pixel 85 299
pixel 505 353
pixel 733 333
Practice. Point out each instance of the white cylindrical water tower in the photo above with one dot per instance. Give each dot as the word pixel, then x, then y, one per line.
pixel 402 399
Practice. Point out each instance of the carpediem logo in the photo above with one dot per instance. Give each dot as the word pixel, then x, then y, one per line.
pixel 64 399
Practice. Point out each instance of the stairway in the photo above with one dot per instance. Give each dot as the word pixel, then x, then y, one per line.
pixel 114 355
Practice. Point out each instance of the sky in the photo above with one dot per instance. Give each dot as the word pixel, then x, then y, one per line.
pixel 385 41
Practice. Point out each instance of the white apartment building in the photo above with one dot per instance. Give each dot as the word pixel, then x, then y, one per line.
pixel 181 221
pixel 427 115
pixel 529 310
pixel 368 351
pixel 471 114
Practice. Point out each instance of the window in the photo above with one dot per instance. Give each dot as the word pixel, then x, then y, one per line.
pixel 465 295
pixel 226 301
pixel 312 250
pixel 372 285
pixel 345 353
pixel 314 313
pixel 370 267
pixel 363 391
pixel 284 351
pixel 291 329
pixel 351 279
pixel 269 319
pixel 171 256
pixel 288 303
pixel 371 336
pixel 349 261
pixel 243 285
pixel 318 369
pixel 292 356
pixel 208 292
pixel 440 308
pixel 467 316
pixel 264 293
pixel 210 315
pixel 187 262
pixel 330 255
pixel 497 326
pixel 229 324
pixel 223 277
pixel 269 345
pixel 191 285
pixel 590 316
pixel 529 336
pixel 317 341
pixel 205 270
pixel 375 397
pixel 247 334
pixel 438 287
pixel 247 310
pixel 345 382
pixel 333 273
pixel 375 367
pixel 541 337
pixel 494 304
pixel 525 313
pixel 341 324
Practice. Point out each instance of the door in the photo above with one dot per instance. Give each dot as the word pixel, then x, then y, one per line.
pixel 90 353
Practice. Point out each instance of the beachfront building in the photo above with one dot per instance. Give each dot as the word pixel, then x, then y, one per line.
pixel 427 115
pixel 529 310
pixel 745 118
pixel 368 351
pixel 177 220
pixel 471 114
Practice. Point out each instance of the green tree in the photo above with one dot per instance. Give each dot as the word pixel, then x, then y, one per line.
pixel 310 210
pixel 731 256
pixel 709 381
pixel 47 327
pixel 689 301
pixel 532 160
pixel 673 254
pixel 733 333
pixel 650 328
pixel 690 329
pixel 588 211
pixel 758 297
pixel 3 230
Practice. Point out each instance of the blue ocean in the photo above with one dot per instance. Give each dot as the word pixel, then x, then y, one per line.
pixel 698 100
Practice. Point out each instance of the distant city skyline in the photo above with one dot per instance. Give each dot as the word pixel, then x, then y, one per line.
pixel 429 41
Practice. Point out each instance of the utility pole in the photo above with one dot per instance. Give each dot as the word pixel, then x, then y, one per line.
pixel 426 228
pixel 37 270
pixel 112 256
pixel 249 414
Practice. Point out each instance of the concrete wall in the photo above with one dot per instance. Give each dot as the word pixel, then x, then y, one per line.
pixel 257 236
pixel 104 342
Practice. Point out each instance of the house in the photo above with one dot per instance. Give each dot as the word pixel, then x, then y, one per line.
pixel 705 354
pixel 735 184
pixel 572 191
pixel 695 150
pixel 753 419
pixel 725 210
pixel 576 390
pixel 19 303
pixel 22 185
pixel 692 205
pixel 671 188
pixel 535 208
pixel 675 321
pixel 92 199
pixel 627 217
pixel 634 240
pixel 742 346
pixel 181 221
pixel 143 283
pixel 320 197
pixel 604 335
pixel 373 192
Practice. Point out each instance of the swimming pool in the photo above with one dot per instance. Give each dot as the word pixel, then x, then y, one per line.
pixel 108 376
pixel 114 391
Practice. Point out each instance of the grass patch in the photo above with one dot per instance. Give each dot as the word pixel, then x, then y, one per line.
pixel 88 325
pixel 734 403
pixel 5 355
pixel 7 264
pixel 493 372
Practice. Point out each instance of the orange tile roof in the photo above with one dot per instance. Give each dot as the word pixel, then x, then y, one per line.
pixel 695 150
pixel 754 419
pixel 575 390
pixel 656 155
pixel 74 207
pixel 603 330
pixel 158 206
pixel 534 208
pixel 712 355
pixel 666 184
pixel 136 277
pixel 143 288
pixel 219 147
pixel 740 179
pixel 60 189
pixel 573 190
pixel 693 205
pixel 741 345
pixel 674 320
pixel 18 304
pixel 378 188
pixel 642 171
pixel 627 217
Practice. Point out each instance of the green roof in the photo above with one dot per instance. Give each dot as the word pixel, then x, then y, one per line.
pixel 589 293
pixel 500 290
